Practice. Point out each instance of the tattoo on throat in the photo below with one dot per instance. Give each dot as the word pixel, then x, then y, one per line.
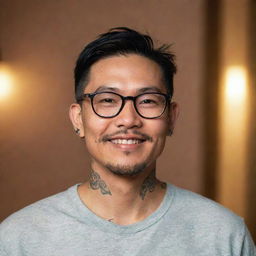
pixel 149 185
pixel 96 182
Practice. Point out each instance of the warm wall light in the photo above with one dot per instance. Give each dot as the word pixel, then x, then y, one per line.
pixel 233 134
pixel 5 82
pixel 235 85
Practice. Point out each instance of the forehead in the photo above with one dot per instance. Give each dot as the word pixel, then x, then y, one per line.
pixel 125 73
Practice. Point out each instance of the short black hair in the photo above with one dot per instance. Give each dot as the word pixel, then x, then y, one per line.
pixel 122 41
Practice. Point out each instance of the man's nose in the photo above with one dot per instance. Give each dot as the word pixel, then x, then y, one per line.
pixel 128 117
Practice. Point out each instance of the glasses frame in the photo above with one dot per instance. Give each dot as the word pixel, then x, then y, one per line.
pixel 124 99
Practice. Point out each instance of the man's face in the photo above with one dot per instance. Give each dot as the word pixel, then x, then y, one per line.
pixel 127 143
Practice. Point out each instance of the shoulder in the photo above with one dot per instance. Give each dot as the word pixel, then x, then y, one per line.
pixel 201 211
pixel 36 216
pixel 206 225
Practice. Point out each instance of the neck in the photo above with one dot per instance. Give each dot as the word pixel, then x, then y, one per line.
pixel 122 199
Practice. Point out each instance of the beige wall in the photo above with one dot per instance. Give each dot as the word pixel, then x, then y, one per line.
pixel 40 41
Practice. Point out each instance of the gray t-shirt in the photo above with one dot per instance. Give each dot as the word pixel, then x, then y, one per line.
pixel 184 224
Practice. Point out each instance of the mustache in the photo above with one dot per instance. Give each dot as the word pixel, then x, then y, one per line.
pixel 108 137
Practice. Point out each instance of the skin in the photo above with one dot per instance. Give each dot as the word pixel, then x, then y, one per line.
pixel 123 198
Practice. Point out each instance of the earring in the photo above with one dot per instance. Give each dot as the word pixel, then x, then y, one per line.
pixel 77 131
pixel 170 132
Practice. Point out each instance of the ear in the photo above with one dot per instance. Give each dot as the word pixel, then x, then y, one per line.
pixel 75 115
pixel 173 115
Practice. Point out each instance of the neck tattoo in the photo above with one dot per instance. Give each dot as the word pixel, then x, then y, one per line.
pixel 96 182
pixel 149 184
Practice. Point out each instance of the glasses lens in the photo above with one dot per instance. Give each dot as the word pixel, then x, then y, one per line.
pixel 107 104
pixel 151 105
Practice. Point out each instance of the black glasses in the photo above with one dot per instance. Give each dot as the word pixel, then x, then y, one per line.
pixel 148 105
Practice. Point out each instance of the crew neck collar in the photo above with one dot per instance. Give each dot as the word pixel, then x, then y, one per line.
pixel 86 215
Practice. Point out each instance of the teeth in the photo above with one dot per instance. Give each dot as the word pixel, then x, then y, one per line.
pixel 123 141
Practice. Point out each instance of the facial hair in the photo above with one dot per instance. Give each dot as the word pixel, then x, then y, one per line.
pixel 127 171
pixel 107 137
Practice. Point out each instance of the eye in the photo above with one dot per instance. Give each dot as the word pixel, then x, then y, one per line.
pixel 151 100
pixel 107 100
pixel 148 101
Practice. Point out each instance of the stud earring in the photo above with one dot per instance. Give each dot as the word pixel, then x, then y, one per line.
pixel 77 131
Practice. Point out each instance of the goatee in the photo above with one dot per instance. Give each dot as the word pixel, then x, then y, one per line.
pixel 126 170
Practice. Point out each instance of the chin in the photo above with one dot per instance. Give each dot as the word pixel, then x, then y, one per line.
pixel 126 170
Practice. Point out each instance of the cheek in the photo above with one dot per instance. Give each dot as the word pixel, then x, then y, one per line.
pixel 94 127
pixel 159 129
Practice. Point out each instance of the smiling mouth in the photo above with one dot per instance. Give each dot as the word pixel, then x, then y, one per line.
pixel 122 137
pixel 127 141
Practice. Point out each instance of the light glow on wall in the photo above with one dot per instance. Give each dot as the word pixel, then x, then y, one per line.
pixel 236 85
pixel 5 83
pixel 233 139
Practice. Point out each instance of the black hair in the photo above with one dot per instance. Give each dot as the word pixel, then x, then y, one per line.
pixel 122 41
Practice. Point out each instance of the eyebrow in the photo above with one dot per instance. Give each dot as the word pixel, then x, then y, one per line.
pixel 141 90
pixel 106 88
pixel 150 88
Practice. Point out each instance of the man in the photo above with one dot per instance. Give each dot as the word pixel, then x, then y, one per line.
pixel 124 113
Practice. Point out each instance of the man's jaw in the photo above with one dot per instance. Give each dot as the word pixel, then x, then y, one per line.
pixel 125 170
pixel 129 144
